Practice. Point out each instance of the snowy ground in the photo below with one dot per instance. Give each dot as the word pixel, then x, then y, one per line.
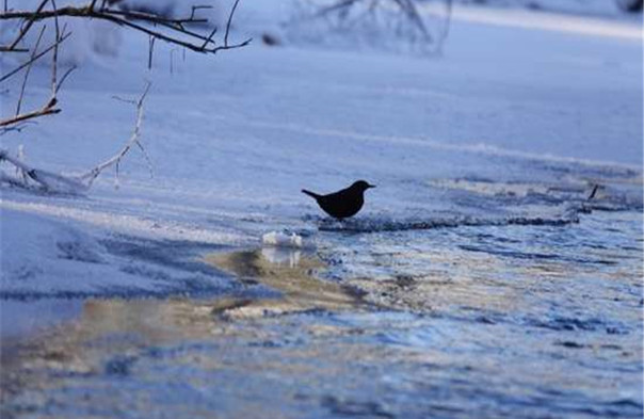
pixel 501 138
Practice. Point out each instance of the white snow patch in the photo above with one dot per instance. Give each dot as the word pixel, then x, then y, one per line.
pixel 285 240
pixel 42 256
pixel 549 21
pixel 45 256
pixel 129 224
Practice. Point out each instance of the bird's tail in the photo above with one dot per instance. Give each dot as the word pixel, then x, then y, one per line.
pixel 311 194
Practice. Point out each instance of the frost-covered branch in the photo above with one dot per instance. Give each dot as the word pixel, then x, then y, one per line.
pixel 89 177
pixel 45 180
pixel 29 177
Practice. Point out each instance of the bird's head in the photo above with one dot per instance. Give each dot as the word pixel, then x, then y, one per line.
pixel 362 185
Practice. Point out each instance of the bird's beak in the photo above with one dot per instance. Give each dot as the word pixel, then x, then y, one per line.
pixel 372 186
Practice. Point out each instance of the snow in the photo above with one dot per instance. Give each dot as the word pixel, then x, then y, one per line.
pixel 549 21
pixel 284 239
pixel 56 257
pixel 519 97
pixel 57 248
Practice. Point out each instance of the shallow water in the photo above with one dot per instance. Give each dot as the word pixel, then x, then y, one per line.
pixel 514 297
pixel 485 321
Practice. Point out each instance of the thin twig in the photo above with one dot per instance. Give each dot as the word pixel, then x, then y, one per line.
pixel 69 71
pixel 54 59
pixel 31 62
pixel 332 8
pixel 230 19
pixel 151 51
pixel 35 58
pixel 30 21
pixel 48 109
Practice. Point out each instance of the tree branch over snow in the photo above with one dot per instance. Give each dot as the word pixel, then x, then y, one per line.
pixel 34 178
pixel 89 177
pixel 170 30
pixel 43 179
pixel 423 23
pixel 49 107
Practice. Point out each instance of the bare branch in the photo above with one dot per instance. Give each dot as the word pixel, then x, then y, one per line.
pixel 192 17
pixel 9 49
pixel 157 27
pixel 35 58
pixel 334 7
pixel 408 7
pixel 54 58
pixel 89 177
pixel 424 28
pixel 230 19
pixel 56 183
pixel 29 22
pixel 69 71
pixel 48 181
pixel 49 109
pixel 194 41
pixel 151 51
pixel 31 62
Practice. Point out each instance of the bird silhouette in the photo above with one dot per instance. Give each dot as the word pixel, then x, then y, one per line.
pixel 345 203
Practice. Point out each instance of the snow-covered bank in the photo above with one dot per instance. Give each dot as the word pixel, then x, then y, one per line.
pixel 54 256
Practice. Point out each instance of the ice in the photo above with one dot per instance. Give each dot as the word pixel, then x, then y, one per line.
pixel 285 239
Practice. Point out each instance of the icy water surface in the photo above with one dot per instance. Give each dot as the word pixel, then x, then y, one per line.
pixel 475 321
pixel 514 297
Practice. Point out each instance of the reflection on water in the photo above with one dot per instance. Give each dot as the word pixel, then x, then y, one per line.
pixel 282 256
pixel 288 272
pixel 24 318
pixel 78 342
pixel 459 323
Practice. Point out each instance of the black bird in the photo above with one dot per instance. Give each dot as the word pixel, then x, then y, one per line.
pixel 345 203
